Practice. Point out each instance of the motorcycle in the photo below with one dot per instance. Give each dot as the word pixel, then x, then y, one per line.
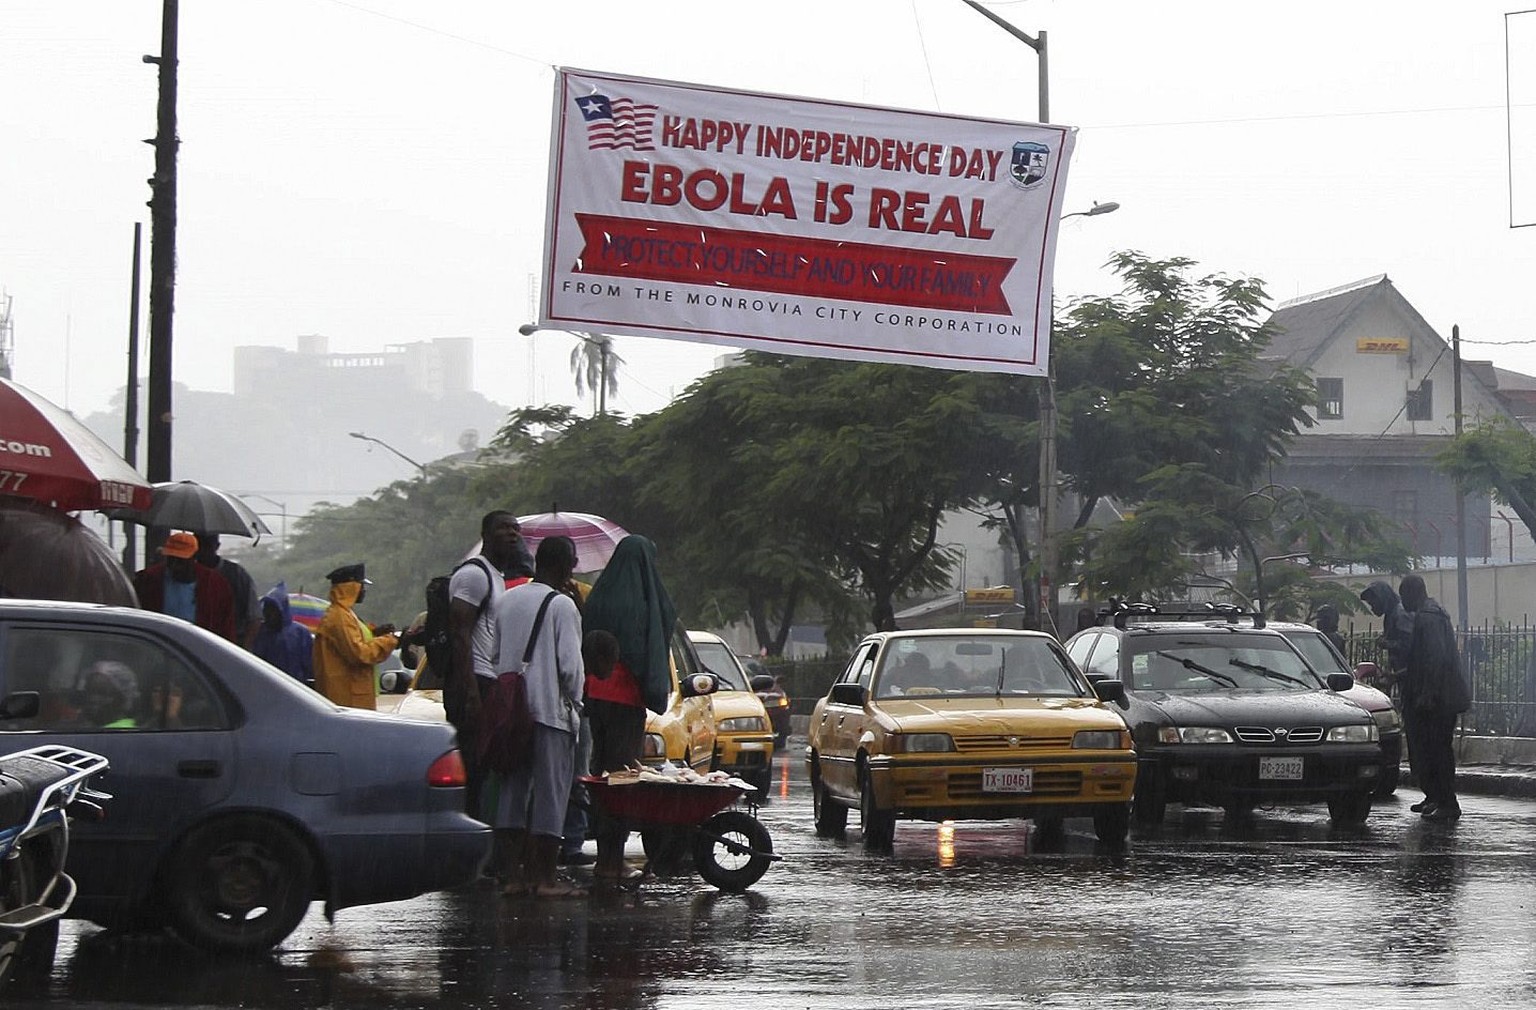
pixel 41 789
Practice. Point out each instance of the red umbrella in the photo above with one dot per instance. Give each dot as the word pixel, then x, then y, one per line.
pixel 48 456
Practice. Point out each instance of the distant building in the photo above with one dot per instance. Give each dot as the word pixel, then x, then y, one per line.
pixel 442 366
pixel 1387 390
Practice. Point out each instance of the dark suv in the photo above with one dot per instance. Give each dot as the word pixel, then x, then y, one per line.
pixel 1224 711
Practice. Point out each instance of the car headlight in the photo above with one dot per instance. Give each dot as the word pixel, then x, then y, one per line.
pixel 1387 719
pixel 1193 734
pixel 741 724
pixel 1097 739
pixel 921 743
pixel 654 746
pixel 1353 734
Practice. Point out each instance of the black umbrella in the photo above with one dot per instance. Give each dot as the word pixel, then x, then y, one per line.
pixel 188 505
pixel 47 555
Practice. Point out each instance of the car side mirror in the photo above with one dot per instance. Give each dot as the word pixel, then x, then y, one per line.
pixel 1340 682
pixel 763 682
pixel 1365 671
pixel 698 685
pixel 1110 690
pixel 848 694
pixel 21 705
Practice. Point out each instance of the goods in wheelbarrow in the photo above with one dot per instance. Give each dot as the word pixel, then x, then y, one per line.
pixel 731 848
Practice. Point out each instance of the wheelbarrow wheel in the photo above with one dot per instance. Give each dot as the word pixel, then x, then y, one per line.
pixel 723 866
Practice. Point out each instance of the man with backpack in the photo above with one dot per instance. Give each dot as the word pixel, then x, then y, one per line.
pixel 472 592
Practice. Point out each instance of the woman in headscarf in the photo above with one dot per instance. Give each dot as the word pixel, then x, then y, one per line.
pixel 630 603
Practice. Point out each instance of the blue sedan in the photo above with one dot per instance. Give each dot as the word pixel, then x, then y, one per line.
pixel 239 795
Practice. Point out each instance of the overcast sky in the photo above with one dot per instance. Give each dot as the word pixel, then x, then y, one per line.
pixel 375 170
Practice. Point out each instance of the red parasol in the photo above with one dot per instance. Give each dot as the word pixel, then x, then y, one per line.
pixel 48 456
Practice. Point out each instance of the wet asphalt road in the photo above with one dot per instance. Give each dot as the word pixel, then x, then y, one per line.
pixel 1279 911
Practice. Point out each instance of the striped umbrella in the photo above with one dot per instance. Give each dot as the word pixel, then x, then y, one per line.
pixel 307 610
pixel 595 536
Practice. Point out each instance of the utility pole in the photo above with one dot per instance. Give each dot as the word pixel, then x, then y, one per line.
pixel 162 252
pixel 131 406
pixel 1048 552
pixel 1461 499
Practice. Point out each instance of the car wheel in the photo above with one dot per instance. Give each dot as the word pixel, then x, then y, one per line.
pixel 1351 810
pixel 878 826
pixel 831 816
pixel 1390 774
pixel 240 884
pixel 1149 804
pixel 1050 830
pixel 723 866
pixel 1110 824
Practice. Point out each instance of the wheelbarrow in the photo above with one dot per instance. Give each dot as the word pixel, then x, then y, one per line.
pixel 731 848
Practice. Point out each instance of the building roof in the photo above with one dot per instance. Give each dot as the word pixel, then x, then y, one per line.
pixel 1304 326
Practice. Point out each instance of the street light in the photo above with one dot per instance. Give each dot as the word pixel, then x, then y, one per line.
pixel 283 511
pixel 379 441
pixel 600 342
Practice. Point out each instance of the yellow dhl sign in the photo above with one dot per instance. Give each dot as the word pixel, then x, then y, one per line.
pixel 1000 594
pixel 1381 345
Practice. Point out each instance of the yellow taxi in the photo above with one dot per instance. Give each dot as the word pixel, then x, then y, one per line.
pixel 968 723
pixel 685 732
pixel 743 733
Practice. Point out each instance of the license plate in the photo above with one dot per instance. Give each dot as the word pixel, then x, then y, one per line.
pixel 1007 780
pixel 1288 769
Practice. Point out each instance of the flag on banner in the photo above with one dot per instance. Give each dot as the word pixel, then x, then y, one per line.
pixel 617 122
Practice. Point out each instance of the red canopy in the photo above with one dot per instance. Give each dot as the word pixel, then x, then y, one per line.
pixel 48 456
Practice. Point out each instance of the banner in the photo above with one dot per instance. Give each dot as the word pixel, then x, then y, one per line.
pixel 800 226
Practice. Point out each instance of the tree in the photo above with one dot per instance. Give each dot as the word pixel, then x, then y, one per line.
pixel 595 366
pixel 1497 457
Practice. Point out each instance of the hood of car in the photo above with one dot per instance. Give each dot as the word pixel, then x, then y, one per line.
pixel 1367 697
pixel 1260 708
pixel 737 705
pixel 998 715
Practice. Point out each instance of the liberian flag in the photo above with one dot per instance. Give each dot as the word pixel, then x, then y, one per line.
pixel 617 122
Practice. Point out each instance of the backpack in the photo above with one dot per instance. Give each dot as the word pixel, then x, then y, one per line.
pixel 506 721
pixel 438 632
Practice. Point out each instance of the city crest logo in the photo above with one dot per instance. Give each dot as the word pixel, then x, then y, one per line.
pixel 1030 163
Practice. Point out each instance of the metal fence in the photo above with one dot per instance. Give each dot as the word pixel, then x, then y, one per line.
pixel 1497 659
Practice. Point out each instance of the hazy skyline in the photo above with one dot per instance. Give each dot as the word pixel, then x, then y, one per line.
pixel 375 170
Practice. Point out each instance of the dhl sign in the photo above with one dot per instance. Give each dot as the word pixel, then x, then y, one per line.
pixel 1381 345
pixel 1000 594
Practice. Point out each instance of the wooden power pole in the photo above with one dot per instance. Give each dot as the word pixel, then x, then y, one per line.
pixel 162 254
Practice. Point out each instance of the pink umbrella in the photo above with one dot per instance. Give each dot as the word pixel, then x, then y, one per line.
pixel 48 456
pixel 595 536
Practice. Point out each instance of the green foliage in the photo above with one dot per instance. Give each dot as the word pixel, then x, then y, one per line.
pixel 1497 457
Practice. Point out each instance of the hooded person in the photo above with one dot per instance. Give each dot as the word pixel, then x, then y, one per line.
pixel 630 603
pixel 1327 621
pixel 1434 693
pixel 1396 623
pixel 346 650
pixel 281 640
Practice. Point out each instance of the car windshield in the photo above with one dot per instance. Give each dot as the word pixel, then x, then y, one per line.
pixel 974 665
pixel 721 662
pixel 1319 654
pixel 1202 663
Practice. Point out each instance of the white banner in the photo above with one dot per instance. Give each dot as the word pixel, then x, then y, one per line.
pixel 801 226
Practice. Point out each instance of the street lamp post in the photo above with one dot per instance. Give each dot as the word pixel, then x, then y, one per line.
pixel 379 441
pixel 282 511
pixel 601 343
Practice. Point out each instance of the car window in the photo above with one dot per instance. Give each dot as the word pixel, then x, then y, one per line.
pixel 1106 657
pixel 863 666
pixel 102 681
pixel 1205 663
pixel 1079 648
pixel 974 665
pixel 721 662
pixel 1317 651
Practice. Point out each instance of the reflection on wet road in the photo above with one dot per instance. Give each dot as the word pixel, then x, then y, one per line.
pixel 1280 910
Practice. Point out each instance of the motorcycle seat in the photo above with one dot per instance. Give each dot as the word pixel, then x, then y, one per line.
pixel 22 781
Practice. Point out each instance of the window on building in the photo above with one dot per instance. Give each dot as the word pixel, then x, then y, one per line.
pixel 1421 402
pixel 1330 399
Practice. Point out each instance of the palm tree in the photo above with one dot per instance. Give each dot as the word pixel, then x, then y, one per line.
pixel 596 367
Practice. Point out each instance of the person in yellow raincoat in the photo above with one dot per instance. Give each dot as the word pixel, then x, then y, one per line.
pixel 345 649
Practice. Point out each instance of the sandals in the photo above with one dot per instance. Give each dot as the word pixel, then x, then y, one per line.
pixel 558 889
pixel 627 875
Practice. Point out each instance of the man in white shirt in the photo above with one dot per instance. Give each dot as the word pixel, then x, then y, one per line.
pixel 472 592
pixel 531 801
